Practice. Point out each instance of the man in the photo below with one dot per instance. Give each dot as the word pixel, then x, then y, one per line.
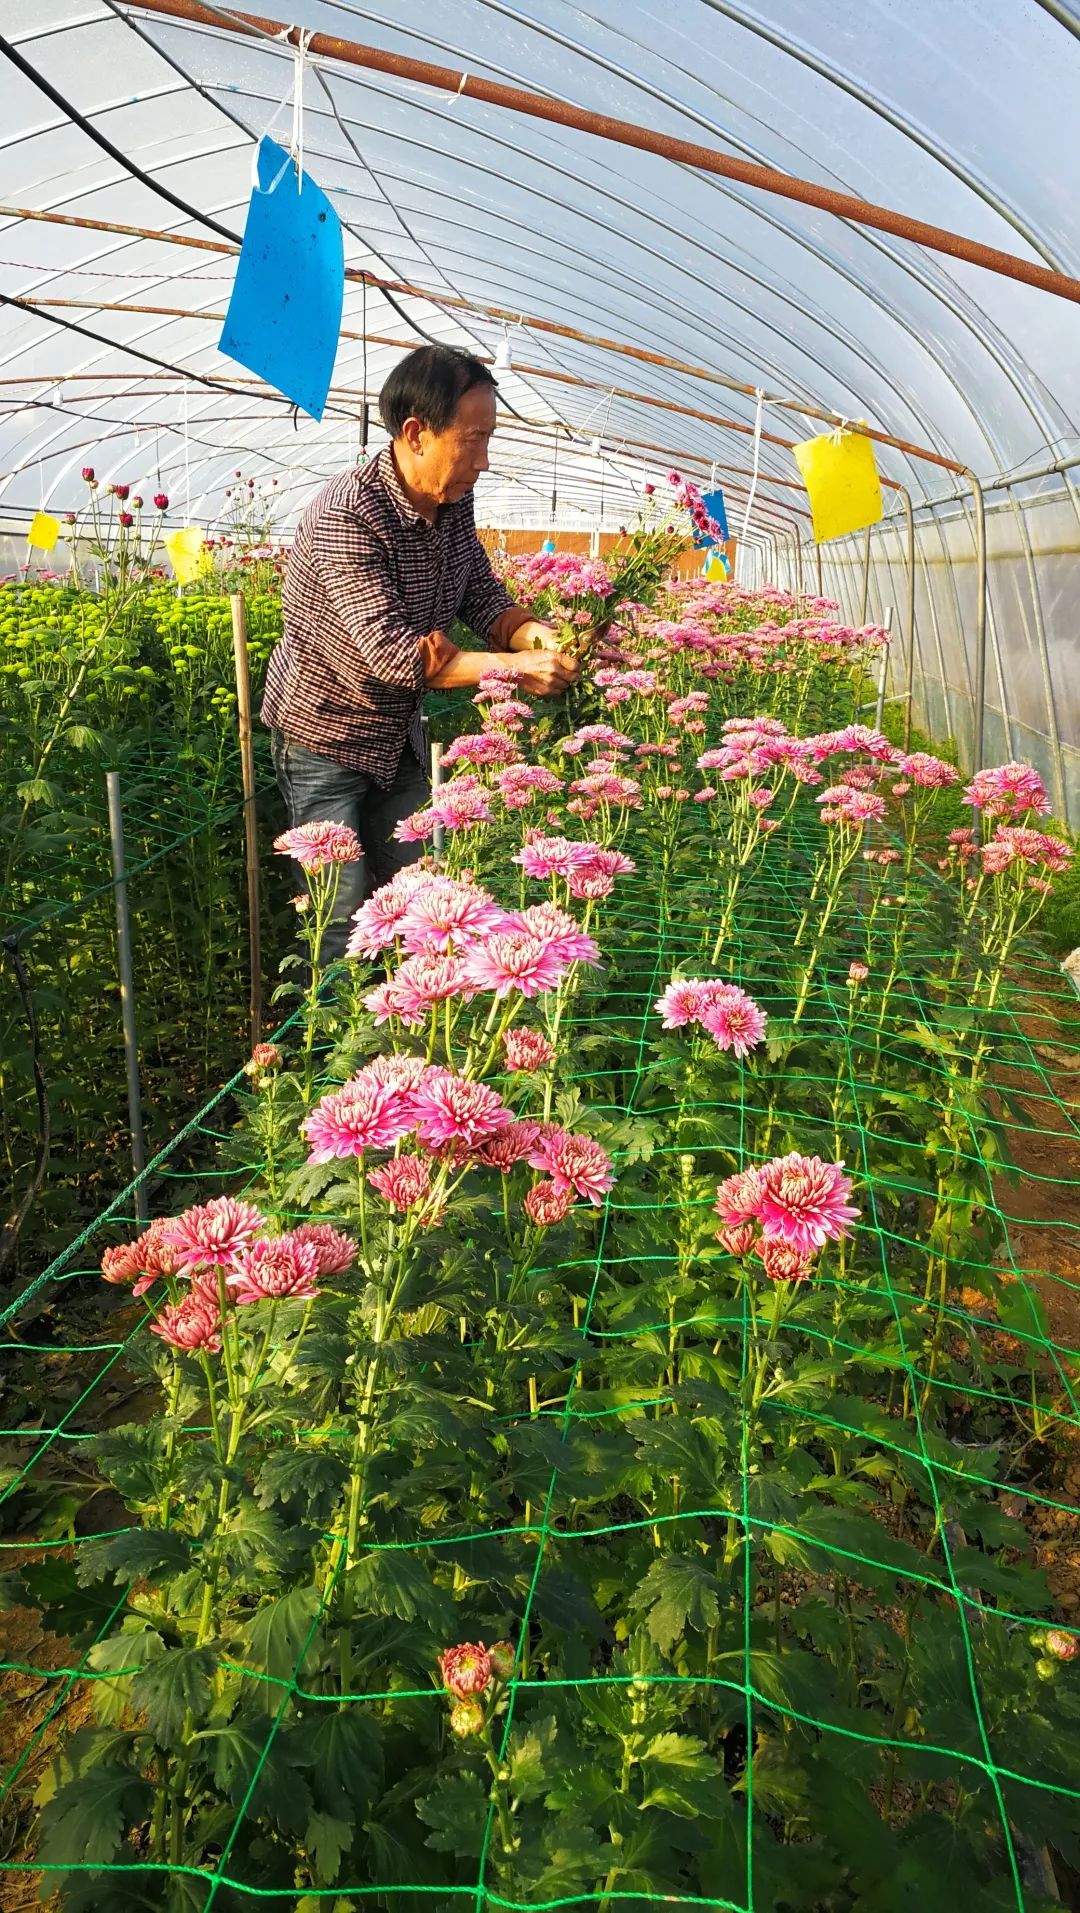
pixel 384 558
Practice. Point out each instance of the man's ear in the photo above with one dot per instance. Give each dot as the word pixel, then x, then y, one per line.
pixel 412 432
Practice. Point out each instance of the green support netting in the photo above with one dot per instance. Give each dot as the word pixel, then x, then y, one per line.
pixel 894 1288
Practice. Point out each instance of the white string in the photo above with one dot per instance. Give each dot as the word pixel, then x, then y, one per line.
pixel 296 142
pixel 757 466
pixel 187 465
pixel 455 97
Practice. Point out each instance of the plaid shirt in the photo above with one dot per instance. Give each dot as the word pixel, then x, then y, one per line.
pixel 366 580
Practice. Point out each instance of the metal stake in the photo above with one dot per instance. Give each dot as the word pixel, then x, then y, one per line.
pixel 980 620
pixel 127 988
pixel 910 632
pixel 436 780
pixel 884 672
pixel 251 822
pixel 865 578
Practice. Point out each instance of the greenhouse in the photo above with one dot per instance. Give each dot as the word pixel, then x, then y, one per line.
pixel 540 957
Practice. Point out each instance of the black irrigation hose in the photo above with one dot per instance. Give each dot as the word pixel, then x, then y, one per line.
pixel 181 205
pixel 9 1233
pixel 100 139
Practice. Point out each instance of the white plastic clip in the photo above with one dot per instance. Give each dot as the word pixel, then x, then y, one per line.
pixel 760 396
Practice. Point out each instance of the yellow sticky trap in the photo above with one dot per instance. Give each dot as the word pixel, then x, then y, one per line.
pixel 44 531
pixel 184 550
pixel 840 474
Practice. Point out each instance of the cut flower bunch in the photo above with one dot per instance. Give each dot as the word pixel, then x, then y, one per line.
pixel 603 1431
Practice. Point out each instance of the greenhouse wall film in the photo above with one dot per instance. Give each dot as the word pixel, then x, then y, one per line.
pixel 579 1406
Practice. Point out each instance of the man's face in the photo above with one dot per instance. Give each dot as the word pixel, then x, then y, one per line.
pixel 449 463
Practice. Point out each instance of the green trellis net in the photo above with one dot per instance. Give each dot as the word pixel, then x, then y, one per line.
pixel 828 1646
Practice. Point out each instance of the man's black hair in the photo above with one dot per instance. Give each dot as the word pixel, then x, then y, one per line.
pixel 428 384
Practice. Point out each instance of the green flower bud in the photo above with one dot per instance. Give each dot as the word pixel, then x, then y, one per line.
pixel 503 1660
pixel 466 1719
pixel 1046 1670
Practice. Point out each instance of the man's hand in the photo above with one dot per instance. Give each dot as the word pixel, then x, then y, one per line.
pixel 534 636
pixel 547 674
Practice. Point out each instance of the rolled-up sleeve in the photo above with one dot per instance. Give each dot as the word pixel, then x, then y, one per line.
pixel 352 565
pixel 485 598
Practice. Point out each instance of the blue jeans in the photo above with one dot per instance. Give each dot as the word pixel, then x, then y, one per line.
pixel 317 790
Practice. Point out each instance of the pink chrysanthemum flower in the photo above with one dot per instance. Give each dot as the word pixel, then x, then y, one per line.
pixel 558 929
pixel 595 877
pixel 514 960
pixel 546 1204
pixel 273 1268
pixel 544 857
pixel 377 923
pixel 575 1162
pixel 733 1020
pixel 450 1109
pixel 738 1198
pixel 804 1202
pixel 857 973
pixel 420 982
pixel 484 748
pixel 334 1253
pixel 143 1261
pixel 1008 790
pixel 404 1182
pixel 363 1114
pixel 190 1325
pixel 509 1146
pixel 313 846
pixel 466 1670
pixel 682 1002
pixel 783 1263
pixel 522 784
pixel 212 1233
pixel 928 772
pixel 738 1240
pixel 526 1051
pixel 447 913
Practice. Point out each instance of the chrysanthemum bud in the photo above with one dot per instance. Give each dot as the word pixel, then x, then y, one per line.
pixel 503 1660
pixel 1061 1646
pixel 466 1719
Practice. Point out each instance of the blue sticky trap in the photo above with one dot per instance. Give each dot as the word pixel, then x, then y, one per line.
pixel 284 317
pixel 717 510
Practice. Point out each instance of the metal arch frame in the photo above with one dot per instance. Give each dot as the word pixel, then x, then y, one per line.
pixel 849 346
pixel 796 50
pixel 981 614
pixel 806 351
pixel 980 647
pixel 947 294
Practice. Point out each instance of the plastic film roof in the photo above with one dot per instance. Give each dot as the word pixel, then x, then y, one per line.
pixel 962 114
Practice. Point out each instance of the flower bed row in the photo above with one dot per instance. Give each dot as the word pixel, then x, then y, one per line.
pixel 600 1439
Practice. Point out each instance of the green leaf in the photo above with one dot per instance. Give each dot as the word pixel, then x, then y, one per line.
pixel 302 1477
pixel 278 1637
pixel 120 1656
pixel 140 1554
pixel 678 1591
pixel 525 1758
pixel 176 1683
pixel 682 1777
pixel 457 1814
pixel 393 1581
pixel 327 1841
pixel 343 1755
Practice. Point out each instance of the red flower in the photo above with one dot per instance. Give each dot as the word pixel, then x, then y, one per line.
pixel 466 1669
pixel 88 474
pixel 120 491
pixel 126 520
pixel 136 503
pixel 161 501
